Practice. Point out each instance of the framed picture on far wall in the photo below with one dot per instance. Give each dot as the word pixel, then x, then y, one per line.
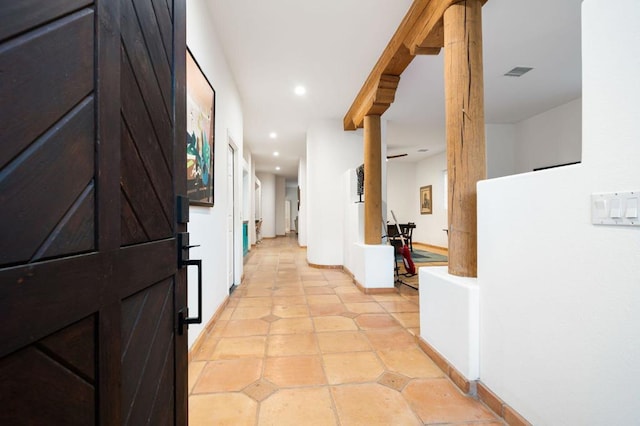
pixel 426 200
pixel 201 113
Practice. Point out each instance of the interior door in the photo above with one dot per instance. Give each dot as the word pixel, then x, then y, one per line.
pixel 91 161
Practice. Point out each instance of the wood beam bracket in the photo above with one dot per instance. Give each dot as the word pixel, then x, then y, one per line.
pixel 431 44
pixel 428 34
pixel 378 101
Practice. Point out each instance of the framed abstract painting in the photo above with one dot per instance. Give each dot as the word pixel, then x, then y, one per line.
pixel 200 144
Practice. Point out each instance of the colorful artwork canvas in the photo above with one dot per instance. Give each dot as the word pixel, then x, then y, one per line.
pixel 201 101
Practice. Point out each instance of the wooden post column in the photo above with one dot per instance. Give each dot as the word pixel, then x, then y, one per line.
pixel 466 163
pixel 372 180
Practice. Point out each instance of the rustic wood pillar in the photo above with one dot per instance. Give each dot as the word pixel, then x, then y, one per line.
pixel 466 162
pixel 372 180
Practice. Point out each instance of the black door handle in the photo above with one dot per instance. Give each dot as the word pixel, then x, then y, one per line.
pixel 184 261
pixel 183 318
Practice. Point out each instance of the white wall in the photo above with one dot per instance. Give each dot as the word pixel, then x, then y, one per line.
pixel 208 226
pixel 330 153
pixel 268 185
pixel 551 138
pixel 280 197
pixel 238 203
pixel 302 213
pixel 255 206
pixel 246 193
pixel 353 220
pixel 560 297
pixel 500 150
pixel 409 137
pixel 250 214
pixel 429 227
pixel 401 183
pixel 291 194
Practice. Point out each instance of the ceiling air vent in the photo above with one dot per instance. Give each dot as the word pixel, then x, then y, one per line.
pixel 518 72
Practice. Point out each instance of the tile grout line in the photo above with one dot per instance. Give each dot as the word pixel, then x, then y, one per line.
pixel 316 334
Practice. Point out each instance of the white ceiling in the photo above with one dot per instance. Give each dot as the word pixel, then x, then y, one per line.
pixel 331 46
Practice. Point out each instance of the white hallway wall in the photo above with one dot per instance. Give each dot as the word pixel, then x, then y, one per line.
pixel 250 215
pixel 268 182
pixel 401 178
pixel 330 153
pixel 302 213
pixel 429 227
pixel 208 226
pixel 560 297
pixel 291 194
pixel 279 204
pixel 254 203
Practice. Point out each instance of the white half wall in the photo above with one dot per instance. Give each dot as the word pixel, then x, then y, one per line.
pixel 330 153
pixel 429 227
pixel 373 265
pixel 208 226
pixel 268 189
pixel 560 297
pixel 449 318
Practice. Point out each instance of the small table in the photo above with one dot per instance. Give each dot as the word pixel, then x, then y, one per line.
pixel 407 233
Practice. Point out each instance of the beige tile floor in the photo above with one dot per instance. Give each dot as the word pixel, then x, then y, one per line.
pixel 303 346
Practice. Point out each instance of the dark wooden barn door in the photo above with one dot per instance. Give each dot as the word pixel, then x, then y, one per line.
pixel 91 162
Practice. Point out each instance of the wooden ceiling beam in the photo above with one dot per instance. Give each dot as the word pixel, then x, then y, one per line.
pixel 420 32
pixel 434 42
pixel 394 60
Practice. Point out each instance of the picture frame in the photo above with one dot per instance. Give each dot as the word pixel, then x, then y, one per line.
pixel 426 200
pixel 200 142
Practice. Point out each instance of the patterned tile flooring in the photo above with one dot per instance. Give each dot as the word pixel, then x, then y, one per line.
pixel 303 346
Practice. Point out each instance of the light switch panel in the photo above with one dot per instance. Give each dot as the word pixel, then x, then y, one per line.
pixel 632 208
pixel 601 208
pixel 615 208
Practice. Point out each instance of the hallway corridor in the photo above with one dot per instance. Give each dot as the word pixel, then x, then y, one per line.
pixel 303 346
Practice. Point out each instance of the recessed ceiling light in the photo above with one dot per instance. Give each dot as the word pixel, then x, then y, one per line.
pixel 300 90
pixel 276 153
pixel 273 135
pixel 518 72
pixel 278 168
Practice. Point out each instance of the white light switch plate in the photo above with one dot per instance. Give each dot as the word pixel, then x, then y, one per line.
pixel 615 208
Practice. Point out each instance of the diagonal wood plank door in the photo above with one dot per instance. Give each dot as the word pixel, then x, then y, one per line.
pixel 91 162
